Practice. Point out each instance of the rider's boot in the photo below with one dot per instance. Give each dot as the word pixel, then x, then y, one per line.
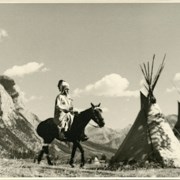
pixel 84 137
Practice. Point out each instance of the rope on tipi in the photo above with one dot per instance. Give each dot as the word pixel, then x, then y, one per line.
pixel 177 131
pixel 147 71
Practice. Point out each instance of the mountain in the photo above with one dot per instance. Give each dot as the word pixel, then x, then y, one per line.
pixel 113 138
pixel 107 136
pixel 18 137
pixel 172 119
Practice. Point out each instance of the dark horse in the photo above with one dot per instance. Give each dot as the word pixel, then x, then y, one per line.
pixel 48 130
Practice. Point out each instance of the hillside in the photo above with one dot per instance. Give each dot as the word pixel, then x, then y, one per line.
pixel 172 119
pixel 18 138
pixel 107 136
pixel 113 138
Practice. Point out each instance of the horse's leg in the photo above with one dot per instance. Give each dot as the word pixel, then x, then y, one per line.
pixel 42 129
pixel 73 154
pixel 40 155
pixel 46 151
pixel 82 154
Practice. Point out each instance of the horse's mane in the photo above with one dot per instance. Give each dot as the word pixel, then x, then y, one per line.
pixel 81 119
pixel 81 114
pixel 84 111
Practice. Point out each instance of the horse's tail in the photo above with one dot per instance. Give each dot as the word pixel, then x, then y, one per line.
pixel 43 127
pixel 39 129
pixel 47 128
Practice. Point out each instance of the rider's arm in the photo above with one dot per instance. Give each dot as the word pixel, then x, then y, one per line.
pixel 61 104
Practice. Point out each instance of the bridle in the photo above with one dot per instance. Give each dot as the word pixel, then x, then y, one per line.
pixel 95 118
pixel 95 126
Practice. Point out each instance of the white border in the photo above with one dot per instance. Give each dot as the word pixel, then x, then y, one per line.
pixel 89 1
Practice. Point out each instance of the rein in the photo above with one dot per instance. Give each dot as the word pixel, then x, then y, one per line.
pixel 94 125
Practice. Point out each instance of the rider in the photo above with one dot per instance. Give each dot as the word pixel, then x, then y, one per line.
pixel 64 114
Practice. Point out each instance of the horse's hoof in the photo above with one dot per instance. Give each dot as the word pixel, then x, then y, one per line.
pixel 81 165
pixel 50 163
pixel 72 165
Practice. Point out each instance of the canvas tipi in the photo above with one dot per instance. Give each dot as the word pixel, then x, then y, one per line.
pixel 176 128
pixel 150 138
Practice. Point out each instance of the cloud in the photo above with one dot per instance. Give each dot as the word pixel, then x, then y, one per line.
pixel 112 85
pixel 23 99
pixel 28 68
pixel 169 90
pixel 32 98
pixel 173 89
pixel 23 96
pixel 45 69
pixel 142 82
pixel 3 34
pixel 175 82
pixel 105 109
pixel 176 77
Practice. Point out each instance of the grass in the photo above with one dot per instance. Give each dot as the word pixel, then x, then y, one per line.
pixel 25 168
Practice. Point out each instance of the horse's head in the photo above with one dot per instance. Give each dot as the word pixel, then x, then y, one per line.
pixel 97 115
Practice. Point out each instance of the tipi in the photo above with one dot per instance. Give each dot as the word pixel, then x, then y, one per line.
pixel 176 128
pixel 151 137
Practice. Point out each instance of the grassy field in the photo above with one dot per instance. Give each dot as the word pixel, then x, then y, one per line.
pixel 23 168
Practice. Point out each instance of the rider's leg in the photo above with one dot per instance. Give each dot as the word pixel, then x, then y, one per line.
pixel 84 137
pixel 61 134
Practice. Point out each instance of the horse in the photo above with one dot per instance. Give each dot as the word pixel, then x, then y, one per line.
pixel 48 131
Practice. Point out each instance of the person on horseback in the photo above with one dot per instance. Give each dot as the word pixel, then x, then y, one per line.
pixel 64 112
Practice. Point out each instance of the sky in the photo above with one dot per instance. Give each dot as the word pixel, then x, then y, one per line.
pixel 97 49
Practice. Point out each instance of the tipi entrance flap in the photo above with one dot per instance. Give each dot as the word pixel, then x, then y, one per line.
pixel 136 145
